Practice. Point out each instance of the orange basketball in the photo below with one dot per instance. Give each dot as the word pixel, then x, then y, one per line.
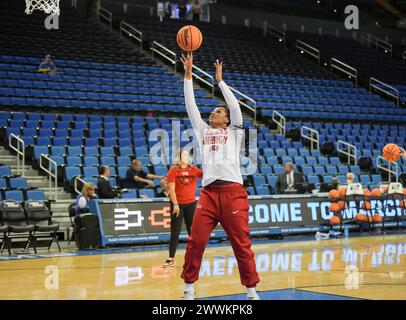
pixel 377 218
pixel 334 207
pixel 189 38
pixel 366 205
pixel 341 204
pixel 367 193
pixel 333 194
pixel 342 192
pixel 391 152
pixel 403 204
pixel 361 217
pixel 376 193
pixel 334 220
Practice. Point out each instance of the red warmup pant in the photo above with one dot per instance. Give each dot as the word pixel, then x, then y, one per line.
pixel 227 204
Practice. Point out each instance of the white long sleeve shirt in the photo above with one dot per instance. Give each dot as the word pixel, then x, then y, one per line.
pixel 219 148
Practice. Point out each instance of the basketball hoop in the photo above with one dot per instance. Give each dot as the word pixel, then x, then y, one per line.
pixel 48 6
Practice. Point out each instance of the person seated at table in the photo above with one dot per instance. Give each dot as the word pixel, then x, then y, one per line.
pixel 165 189
pixel 350 177
pixel 82 200
pixel 288 179
pixel 139 179
pixel 103 184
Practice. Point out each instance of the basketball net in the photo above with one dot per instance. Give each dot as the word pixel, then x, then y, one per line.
pixel 48 6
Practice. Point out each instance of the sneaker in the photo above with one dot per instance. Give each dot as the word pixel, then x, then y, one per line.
pixel 188 295
pixel 255 297
pixel 169 263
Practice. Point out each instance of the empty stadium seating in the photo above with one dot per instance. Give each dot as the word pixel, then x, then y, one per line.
pixel 277 78
pixel 80 160
pixel 367 61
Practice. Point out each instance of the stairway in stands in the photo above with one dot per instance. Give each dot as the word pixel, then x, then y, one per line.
pixel 59 207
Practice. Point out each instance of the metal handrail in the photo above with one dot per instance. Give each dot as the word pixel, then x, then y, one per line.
pixel 130 31
pixel 168 55
pixel 388 169
pixel 377 84
pixel 379 43
pixel 209 83
pixel 75 184
pixel 313 136
pixel 105 14
pixel 277 33
pixel 251 108
pixel 126 5
pixel 339 65
pixel 50 173
pixel 349 147
pixel 281 123
pixel 307 48
pixel 20 142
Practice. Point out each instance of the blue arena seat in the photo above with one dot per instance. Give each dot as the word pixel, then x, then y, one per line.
pixel 131 194
pixel 36 195
pixel 18 183
pixel 149 193
pixel 16 195
pixel 5 171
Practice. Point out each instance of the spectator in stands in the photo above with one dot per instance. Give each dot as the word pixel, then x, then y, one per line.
pixel 47 66
pixel 196 10
pixel 350 177
pixel 168 9
pixel 139 179
pixel 103 184
pixel 83 200
pixel 165 189
pixel 335 182
pixel 182 9
pixel 288 179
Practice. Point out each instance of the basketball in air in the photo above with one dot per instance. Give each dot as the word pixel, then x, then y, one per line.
pixel 189 38
pixel 334 220
pixel 391 152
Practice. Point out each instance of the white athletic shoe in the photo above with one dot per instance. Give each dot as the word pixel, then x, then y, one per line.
pixel 188 295
pixel 255 297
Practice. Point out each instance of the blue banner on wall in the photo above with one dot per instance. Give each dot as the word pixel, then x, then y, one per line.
pixel 148 220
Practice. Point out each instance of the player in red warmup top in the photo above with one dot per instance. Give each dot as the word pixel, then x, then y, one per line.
pixel 182 181
pixel 223 198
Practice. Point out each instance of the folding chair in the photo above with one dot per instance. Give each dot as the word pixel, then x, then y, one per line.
pixel 39 215
pixel 13 216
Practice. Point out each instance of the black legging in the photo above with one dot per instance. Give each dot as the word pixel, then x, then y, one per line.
pixel 186 211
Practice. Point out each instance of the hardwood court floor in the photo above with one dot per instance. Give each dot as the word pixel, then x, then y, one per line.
pixel 369 267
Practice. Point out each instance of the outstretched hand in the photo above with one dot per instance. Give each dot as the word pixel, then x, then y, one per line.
pixel 219 70
pixel 187 64
pixel 402 153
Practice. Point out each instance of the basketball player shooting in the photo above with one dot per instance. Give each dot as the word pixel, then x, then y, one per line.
pixel 223 198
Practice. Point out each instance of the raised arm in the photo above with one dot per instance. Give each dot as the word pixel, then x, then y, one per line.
pixel 231 100
pixel 190 102
pixel 402 153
